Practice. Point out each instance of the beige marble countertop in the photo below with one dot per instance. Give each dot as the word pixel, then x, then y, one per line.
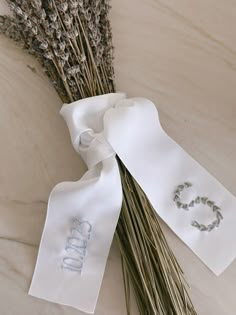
pixel 180 54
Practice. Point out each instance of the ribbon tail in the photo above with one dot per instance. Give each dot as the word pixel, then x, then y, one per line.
pixel 188 198
pixel 80 224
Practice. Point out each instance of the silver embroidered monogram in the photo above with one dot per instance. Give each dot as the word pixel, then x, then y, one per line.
pixel 76 246
pixel 198 201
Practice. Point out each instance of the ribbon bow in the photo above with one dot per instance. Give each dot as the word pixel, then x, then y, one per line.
pixel 82 216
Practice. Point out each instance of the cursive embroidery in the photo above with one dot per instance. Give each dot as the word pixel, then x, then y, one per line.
pixel 198 200
pixel 76 245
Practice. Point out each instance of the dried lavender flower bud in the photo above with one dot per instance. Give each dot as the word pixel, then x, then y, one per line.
pixel 36 4
pixel 46 24
pixel 54 25
pixel 49 55
pixel 73 12
pixel 34 30
pixel 43 45
pixel 42 14
pixel 34 20
pixel 61 63
pixel 92 43
pixel 62 46
pixel 68 20
pixel 97 19
pixel 71 83
pixel 90 25
pixel 53 17
pixel 49 31
pixel 54 44
pixel 57 53
pixel 80 3
pixel 50 4
pixel 83 58
pixel 12 6
pixel 72 33
pixel 28 23
pixel 73 70
pixel 40 38
pixel 98 37
pixel 100 50
pixel 58 34
pixel 88 15
pixel 63 7
pixel 65 56
pixel 73 4
pixel 18 11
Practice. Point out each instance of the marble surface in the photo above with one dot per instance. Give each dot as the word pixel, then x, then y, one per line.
pixel 180 54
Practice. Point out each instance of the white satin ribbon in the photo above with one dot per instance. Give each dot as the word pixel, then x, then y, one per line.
pixel 82 216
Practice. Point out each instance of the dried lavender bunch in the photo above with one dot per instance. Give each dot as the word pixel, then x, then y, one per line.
pixel 72 39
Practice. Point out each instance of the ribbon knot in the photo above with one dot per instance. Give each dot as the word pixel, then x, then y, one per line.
pixel 85 121
pixel 93 148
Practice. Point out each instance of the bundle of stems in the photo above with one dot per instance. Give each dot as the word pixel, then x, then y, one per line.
pixel 72 39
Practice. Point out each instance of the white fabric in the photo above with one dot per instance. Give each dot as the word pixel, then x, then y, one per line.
pixel 100 127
